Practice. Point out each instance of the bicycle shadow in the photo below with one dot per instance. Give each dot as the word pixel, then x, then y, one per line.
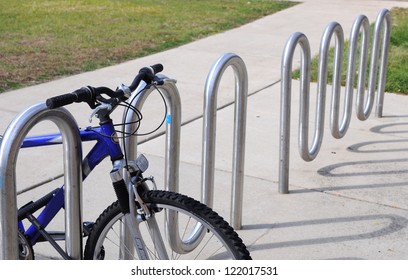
pixel 395 223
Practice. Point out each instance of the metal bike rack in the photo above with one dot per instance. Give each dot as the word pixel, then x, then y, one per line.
pixel 209 133
pixel 172 155
pixel 173 128
pixel 72 150
pixel 364 109
pixel 383 19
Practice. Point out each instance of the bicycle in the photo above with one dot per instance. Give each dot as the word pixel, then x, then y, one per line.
pixel 141 212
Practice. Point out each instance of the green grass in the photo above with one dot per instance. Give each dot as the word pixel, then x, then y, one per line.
pixel 397 71
pixel 397 75
pixel 42 40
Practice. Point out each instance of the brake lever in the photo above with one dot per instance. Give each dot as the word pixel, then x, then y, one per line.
pixel 157 81
pixel 102 106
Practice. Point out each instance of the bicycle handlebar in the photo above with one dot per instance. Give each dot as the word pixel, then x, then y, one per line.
pixel 81 95
pixel 89 94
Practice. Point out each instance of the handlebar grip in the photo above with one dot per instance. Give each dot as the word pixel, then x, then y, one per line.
pixel 61 100
pixel 157 68
pixel 81 95
pixel 146 74
pixel 153 69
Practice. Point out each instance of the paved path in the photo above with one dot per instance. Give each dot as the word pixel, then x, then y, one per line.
pixel 349 203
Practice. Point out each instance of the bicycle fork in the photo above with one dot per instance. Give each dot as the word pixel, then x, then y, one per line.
pixel 135 212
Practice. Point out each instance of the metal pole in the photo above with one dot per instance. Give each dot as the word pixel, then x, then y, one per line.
pixel 172 156
pixel 173 128
pixel 286 89
pixel 364 108
pixel 10 146
pixel 209 132
pixel 338 128
pixel 309 153
pixel 384 17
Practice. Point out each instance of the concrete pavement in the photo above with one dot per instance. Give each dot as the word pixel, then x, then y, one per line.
pixel 349 203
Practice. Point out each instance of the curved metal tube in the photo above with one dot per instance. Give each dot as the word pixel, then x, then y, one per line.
pixel 209 133
pixel 337 30
pixel 309 154
pixel 172 157
pixel 364 104
pixel 383 18
pixel 173 128
pixel 376 70
pixel 72 151
pixel 363 108
pixel 286 89
pixel 339 129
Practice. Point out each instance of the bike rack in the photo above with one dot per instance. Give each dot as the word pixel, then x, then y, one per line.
pixel 172 158
pixel 173 128
pixel 363 108
pixel 209 132
pixel 383 18
pixel 172 155
pixel 72 150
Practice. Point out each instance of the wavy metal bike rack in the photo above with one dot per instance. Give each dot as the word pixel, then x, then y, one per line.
pixel 72 150
pixel 364 104
pixel 209 133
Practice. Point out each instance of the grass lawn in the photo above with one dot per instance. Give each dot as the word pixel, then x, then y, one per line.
pixel 41 40
pixel 397 72
pixel 397 76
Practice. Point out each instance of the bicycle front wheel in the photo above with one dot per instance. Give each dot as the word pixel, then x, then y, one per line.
pixel 219 240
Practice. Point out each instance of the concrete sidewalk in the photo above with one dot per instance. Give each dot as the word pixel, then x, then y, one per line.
pixel 349 203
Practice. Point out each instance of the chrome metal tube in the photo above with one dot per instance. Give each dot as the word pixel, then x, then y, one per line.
pixel 286 88
pixel 310 153
pixel 173 129
pixel 339 128
pixel 172 154
pixel 364 104
pixel 10 146
pixel 209 132
pixel 383 18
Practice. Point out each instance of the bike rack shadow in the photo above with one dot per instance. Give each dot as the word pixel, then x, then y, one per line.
pixel 72 150
pixel 382 128
pixel 351 187
pixel 357 148
pixel 396 223
pixel 360 148
pixel 364 103
pixel 327 171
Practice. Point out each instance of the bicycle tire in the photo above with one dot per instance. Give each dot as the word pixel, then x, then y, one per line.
pixel 218 230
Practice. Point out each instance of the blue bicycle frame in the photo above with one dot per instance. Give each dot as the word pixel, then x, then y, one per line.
pixel 107 144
